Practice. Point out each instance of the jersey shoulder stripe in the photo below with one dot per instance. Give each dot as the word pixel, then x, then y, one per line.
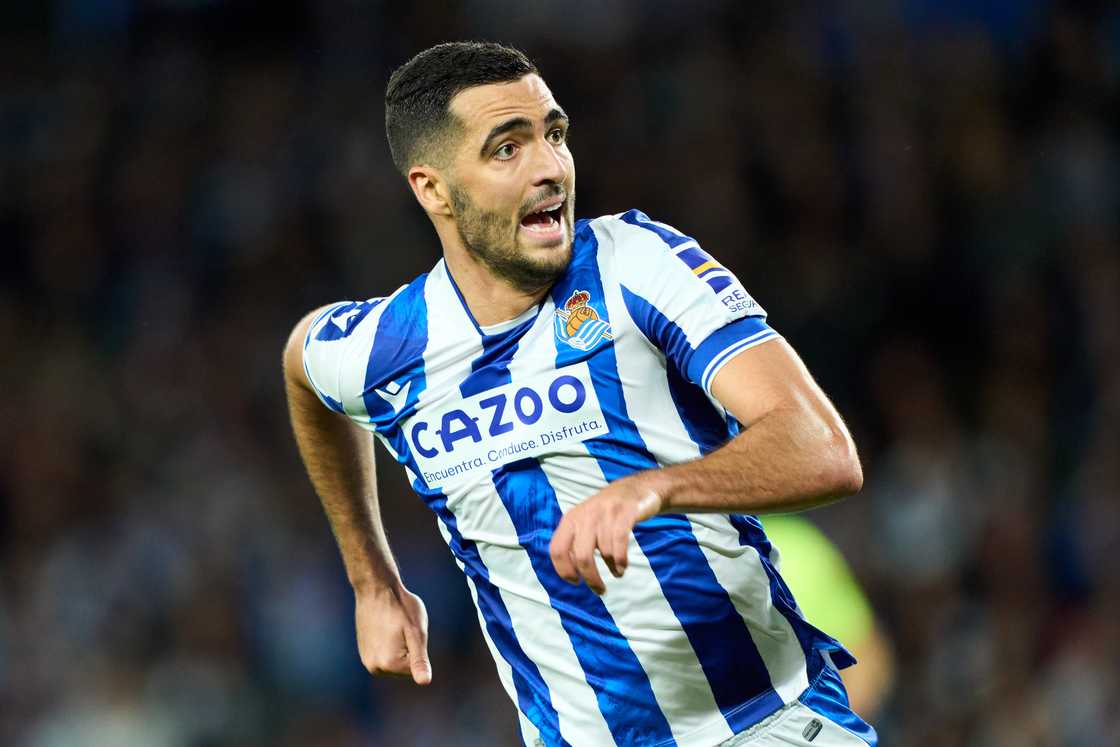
pixel 686 249
pixel 684 302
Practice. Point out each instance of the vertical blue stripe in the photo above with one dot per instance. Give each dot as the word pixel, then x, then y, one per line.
pixel 533 697
pixel 811 638
pixel 621 686
pixel 735 671
pixel 491 368
pixel 705 426
pixel 398 355
pixel 610 667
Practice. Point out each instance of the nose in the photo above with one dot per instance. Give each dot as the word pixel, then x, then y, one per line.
pixel 549 165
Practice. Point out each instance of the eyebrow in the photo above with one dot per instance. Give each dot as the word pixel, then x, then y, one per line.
pixel 519 123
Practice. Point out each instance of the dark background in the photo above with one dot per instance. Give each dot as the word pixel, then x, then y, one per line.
pixel 924 196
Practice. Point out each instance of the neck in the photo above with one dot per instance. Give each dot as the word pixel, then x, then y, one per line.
pixel 491 299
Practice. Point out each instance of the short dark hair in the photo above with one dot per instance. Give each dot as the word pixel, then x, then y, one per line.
pixel 417 100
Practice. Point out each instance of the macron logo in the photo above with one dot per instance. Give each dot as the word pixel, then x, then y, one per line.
pixel 395 394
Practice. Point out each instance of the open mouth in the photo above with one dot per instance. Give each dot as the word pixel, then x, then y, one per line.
pixel 545 221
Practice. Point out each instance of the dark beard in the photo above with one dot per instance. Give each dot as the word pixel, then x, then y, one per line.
pixel 491 239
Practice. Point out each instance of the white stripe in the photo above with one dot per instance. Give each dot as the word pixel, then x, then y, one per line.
pixel 722 358
pixel 645 619
pixel 344 357
pixel 739 570
pixel 529 732
pixel 654 273
pixel 641 611
pixel 536 623
pixel 352 378
pixel 319 357
pixel 453 344
pixel 481 517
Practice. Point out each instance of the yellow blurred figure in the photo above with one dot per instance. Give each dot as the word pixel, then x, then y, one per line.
pixel 830 598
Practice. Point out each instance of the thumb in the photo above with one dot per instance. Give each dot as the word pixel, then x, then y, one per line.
pixel 418 656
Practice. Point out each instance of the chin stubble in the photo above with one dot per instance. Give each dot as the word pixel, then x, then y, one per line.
pixel 490 239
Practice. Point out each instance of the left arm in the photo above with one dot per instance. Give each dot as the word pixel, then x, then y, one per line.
pixel 795 453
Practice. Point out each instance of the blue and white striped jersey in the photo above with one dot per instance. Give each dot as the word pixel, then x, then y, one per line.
pixel 501 429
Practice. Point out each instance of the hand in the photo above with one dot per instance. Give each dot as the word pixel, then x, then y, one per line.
pixel 602 522
pixel 392 626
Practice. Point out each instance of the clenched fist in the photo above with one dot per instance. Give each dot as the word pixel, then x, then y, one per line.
pixel 392 626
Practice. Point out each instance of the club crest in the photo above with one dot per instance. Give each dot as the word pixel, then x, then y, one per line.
pixel 579 325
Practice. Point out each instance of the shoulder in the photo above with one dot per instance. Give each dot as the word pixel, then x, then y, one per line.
pixel 638 249
pixel 635 226
pixel 345 319
pixel 348 344
pixel 632 235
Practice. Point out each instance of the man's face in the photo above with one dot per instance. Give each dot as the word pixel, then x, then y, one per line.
pixel 512 181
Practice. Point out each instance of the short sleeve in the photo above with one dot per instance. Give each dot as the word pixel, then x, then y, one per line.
pixel 327 348
pixel 683 300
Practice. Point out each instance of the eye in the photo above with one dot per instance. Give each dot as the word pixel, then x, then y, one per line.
pixel 505 152
pixel 557 136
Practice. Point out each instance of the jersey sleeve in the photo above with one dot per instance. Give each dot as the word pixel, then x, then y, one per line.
pixel 683 300
pixel 329 349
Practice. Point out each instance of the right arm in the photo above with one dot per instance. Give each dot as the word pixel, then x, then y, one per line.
pixel 391 622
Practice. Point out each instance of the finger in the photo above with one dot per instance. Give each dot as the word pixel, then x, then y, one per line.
pixel 612 567
pixel 419 665
pixel 620 548
pixel 583 552
pixel 605 542
pixel 560 552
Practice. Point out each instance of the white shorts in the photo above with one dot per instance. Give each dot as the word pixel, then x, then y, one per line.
pixel 796 724
pixel 820 718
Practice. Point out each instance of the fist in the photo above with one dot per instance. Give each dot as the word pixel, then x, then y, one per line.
pixel 392 627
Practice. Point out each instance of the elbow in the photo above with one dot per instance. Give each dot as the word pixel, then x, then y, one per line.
pixel 843 473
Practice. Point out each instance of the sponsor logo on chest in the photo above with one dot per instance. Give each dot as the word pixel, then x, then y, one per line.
pixel 528 417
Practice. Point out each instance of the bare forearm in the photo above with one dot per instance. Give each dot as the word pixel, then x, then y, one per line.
pixel 339 460
pixel 789 460
pixel 796 453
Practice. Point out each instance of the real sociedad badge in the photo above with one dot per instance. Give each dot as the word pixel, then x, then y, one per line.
pixel 579 325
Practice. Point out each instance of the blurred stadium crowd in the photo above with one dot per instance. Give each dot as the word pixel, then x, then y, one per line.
pixel 924 195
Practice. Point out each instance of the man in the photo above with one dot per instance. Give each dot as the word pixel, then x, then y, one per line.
pixel 561 395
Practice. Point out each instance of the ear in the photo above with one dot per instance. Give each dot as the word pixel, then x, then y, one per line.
pixel 430 188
